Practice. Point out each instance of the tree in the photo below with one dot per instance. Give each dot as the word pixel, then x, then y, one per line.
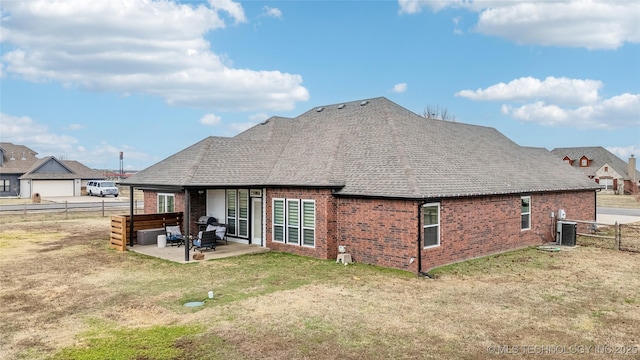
pixel 435 112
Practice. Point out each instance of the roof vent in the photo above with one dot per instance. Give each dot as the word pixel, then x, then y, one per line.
pixel 12 158
pixel 341 106
pixel 319 109
pixel 365 102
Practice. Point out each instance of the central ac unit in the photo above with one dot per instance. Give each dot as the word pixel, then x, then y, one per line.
pixel 567 233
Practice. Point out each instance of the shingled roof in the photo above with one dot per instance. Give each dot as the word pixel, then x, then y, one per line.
pixel 61 170
pixel 16 159
pixel 367 148
pixel 599 156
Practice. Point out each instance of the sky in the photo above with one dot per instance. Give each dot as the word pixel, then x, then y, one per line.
pixel 85 80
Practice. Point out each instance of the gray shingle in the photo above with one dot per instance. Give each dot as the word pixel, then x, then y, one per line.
pixel 379 149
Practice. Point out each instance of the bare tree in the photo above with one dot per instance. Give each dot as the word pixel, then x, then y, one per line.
pixel 435 112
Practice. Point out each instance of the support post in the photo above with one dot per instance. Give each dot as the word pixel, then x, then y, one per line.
pixel 186 220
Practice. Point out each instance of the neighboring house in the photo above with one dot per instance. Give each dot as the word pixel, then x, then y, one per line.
pixel 396 189
pixel 22 174
pixel 605 168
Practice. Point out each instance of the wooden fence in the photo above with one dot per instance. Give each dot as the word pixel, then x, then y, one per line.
pixel 625 237
pixel 119 238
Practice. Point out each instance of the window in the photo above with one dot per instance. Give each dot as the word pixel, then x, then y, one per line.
pixel 238 212
pixel 431 224
pixel 166 203
pixel 278 220
pixel 525 205
pixel 232 204
pixel 294 221
pixel 584 162
pixel 308 223
pixel 243 213
pixel 5 185
pixel 608 183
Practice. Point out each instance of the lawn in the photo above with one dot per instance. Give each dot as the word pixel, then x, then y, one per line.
pixel 65 295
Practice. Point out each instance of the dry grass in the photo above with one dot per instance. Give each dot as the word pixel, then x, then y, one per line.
pixel 618 201
pixel 59 281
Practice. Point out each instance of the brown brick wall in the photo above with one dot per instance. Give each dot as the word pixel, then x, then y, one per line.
pixel 326 247
pixel 475 227
pixel 379 232
pixel 151 201
pixel 386 232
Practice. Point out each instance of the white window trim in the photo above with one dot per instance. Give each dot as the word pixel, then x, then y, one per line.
pixel 424 226
pixel 285 225
pixel 525 213
pixel 290 226
pixel 273 220
pixel 303 228
pixel 166 195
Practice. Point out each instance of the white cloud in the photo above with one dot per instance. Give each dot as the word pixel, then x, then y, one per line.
pixel 210 119
pixel 592 24
pixel 563 90
pixel 625 152
pixel 240 127
pixel 23 130
pixel 258 117
pixel 561 102
pixel 400 88
pixel 139 47
pixel 617 112
pixel 76 126
pixel 272 12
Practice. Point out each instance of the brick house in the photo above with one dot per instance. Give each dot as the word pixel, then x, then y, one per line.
pixel 606 169
pixel 396 189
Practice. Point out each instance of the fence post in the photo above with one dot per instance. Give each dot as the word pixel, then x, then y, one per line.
pixel 617 236
pixel 66 210
pixel 102 208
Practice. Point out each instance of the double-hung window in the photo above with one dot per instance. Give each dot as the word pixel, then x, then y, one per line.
pixel 166 203
pixel 294 221
pixel 525 206
pixel 431 224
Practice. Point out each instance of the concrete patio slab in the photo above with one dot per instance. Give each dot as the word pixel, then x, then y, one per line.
pixel 176 254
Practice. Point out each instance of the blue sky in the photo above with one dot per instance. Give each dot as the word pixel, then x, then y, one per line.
pixel 85 80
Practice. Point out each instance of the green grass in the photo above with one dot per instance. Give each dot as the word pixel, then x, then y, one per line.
pixel 158 342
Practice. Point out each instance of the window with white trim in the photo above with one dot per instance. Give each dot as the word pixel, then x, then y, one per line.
pixel 166 203
pixel 525 209
pixel 608 183
pixel 278 220
pixel 294 221
pixel 431 224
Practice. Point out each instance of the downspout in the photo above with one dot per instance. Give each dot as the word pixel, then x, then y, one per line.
pixel 131 215
pixel 420 272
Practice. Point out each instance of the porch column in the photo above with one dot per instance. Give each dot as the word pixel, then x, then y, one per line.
pixel 187 218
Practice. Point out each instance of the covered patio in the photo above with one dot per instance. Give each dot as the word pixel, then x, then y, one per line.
pixel 176 254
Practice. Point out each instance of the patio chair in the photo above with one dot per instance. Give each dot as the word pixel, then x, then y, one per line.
pixel 221 233
pixel 206 240
pixel 174 235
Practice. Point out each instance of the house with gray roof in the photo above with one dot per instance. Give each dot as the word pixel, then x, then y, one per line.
pixel 601 165
pixel 393 188
pixel 23 174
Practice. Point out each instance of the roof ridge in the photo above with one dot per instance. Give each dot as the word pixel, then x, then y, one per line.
pixel 198 159
pixel 402 155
